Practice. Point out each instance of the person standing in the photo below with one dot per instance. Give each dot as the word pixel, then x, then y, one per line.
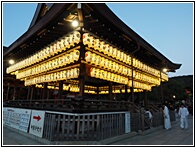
pixel 166 116
pixel 183 113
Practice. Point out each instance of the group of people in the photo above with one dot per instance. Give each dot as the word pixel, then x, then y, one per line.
pixel 183 113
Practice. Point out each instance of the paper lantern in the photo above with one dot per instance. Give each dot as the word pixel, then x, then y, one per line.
pixel 86 39
pixel 118 54
pixel 102 46
pixel 76 37
pixel 114 52
pixel 93 58
pixel 96 44
pixel 102 61
pixel 98 60
pixel 88 56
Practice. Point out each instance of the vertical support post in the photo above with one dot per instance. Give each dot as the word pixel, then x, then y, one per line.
pixel 60 92
pixel 44 93
pixel 28 93
pixel 132 88
pixel 110 91
pixel 8 90
pixel 82 68
pixel 14 95
pixel 32 92
pixel 145 99
pixel 126 93
pixel 161 88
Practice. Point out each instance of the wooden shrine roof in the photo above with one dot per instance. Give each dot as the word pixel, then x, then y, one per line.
pixel 50 23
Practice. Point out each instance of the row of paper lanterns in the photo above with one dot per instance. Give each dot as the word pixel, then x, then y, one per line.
pixel 112 51
pixel 50 65
pixel 118 68
pixel 56 47
pixel 56 76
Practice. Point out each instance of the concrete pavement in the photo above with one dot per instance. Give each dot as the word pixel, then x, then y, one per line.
pixel 153 136
pixel 174 136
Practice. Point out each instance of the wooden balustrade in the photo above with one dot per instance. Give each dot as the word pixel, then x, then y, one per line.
pixel 70 127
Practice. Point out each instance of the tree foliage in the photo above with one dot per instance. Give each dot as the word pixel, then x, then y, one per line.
pixel 173 90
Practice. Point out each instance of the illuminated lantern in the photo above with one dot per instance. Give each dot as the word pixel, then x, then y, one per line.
pixel 88 56
pixel 96 44
pixel 76 55
pixel 118 54
pixel 76 72
pixel 116 67
pixel 67 58
pixel 125 70
pixel 134 63
pixel 109 64
pixel 105 51
pixel 40 56
pixel 121 56
pixel 52 50
pixel 93 58
pixel 114 52
pixel 51 77
pixel 71 57
pixel 91 43
pixel 98 60
pixel 70 40
pixel 110 50
pixel 76 37
pixel 102 74
pixel 106 63
pixel 120 69
pixel 112 66
pixel 102 46
pixel 129 72
pixel 66 42
pixel 108 76
pixel 102 60
pixel 92 72
pixel 61 45
pixel 55 48
pixel 124 58
pixel 58 49
pixel 86 39
pixel 48 51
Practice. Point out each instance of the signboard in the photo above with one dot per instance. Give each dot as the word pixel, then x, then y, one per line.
pixel 24 119
pixel 37 123
pixel 16 118
pixel 127 122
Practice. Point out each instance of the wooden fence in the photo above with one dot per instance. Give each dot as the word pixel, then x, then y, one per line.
pixel 58 127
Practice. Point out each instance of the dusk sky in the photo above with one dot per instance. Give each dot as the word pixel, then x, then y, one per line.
pixel 166 26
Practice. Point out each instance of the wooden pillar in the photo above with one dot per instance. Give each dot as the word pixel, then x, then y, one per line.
pixel 132 88
pixel 110 91
pixel 8 90
pixel 28 94
pixel 44 93
pixel 32 93
pixel 145 99
pixel 81 86
pixel 82 68
pixel 161 87
pixel 60 91
pixel 126 96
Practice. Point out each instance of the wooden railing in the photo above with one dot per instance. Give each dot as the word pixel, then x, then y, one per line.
pixel 58 127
